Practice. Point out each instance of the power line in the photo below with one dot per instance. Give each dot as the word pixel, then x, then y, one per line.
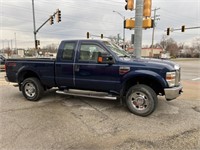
pixel 178 15
pixel 72 18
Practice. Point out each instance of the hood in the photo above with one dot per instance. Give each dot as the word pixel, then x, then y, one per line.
pixel 166 63
pixel 158 64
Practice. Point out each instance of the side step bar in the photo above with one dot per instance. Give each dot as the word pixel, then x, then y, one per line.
pixel 90 94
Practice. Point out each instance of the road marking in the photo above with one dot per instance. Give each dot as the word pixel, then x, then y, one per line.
pixel 195 79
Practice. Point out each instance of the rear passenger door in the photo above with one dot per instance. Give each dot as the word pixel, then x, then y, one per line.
pixel 91 75
pixel 64 66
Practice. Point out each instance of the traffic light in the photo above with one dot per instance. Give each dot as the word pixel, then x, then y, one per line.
pixel 101 36
pixel 183 28
pixel 58 17
pixel 88 35
pixel 37 42
pixel 168 31
pixel 129 5
pixel 51 20
pixel 129 23
pixel 147 8
pixel 148 23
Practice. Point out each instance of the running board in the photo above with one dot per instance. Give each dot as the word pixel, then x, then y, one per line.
pixel 90 94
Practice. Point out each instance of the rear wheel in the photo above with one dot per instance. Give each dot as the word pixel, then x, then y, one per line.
pixel 141 100
pixel 32 89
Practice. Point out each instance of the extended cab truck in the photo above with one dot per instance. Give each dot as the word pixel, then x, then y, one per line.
pixel 98 69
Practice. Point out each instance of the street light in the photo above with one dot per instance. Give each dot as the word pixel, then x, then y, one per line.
pixel 123 17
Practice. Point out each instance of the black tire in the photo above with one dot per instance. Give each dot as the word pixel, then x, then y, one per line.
pixel 32 89
pixel 141 100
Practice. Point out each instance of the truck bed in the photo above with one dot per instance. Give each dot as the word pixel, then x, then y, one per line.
pixel 45 68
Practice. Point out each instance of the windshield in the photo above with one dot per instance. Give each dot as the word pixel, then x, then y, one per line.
pixel 116 49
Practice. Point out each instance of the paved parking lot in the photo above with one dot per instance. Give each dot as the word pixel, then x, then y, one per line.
pixel 63 122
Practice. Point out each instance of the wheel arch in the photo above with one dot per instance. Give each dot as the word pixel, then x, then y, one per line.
pixel 25 73
pixel 151 79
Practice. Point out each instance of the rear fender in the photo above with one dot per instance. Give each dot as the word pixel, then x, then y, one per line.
pixel 26 70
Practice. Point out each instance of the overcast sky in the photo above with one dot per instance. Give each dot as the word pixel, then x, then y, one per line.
pixel 94 16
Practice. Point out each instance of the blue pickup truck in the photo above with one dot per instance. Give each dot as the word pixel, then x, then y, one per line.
pixel 98 69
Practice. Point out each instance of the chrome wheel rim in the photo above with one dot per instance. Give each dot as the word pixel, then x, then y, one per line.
pixel 30 89
pixel 139 100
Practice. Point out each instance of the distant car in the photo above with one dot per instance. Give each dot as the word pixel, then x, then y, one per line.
pixel 2 62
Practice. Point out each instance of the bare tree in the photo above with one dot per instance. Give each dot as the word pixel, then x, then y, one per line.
pixel 169 45
pixel 196 44
pixel 163 42
pixel 52 48
pixel 172 48
pixel 8 51
pixel 114 39
pixel 196 47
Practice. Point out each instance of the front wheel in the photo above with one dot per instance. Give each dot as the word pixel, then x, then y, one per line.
pixel 141 100
pixel 32 89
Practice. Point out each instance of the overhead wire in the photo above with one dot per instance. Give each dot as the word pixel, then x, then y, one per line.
pixel 71 18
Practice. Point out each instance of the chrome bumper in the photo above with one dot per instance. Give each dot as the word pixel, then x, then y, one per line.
pixel 172 93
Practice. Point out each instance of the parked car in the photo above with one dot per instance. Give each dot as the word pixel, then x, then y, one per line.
pixel 2 62
pixel 98 69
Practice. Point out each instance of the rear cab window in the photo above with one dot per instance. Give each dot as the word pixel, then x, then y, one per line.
pixel 68 51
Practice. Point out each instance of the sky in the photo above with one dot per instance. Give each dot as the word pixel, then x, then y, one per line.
pixel 93 16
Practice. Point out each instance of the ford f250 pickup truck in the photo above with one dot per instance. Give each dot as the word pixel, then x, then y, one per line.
pixel 98 69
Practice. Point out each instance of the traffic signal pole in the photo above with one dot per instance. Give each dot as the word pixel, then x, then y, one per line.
pixel 45 22
pixel 138 28
pixel 58 12
pixel 34 26
pixel 182 29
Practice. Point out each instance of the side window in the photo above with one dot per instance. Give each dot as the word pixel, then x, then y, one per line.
pixel 89 52
pixel 68 51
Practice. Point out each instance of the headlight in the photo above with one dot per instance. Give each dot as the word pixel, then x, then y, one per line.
pixel 176 67
pixel 170 78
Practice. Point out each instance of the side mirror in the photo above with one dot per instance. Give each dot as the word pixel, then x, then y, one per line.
pixel 104 58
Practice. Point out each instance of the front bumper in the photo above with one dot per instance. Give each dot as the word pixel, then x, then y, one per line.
pixel 172 93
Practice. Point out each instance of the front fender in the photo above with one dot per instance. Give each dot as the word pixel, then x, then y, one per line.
pixel 144 73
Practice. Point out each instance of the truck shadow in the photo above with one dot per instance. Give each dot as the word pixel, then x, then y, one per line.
pixel 77 102
pixel 51 96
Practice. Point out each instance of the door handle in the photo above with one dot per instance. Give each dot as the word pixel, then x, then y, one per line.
pixel 76 68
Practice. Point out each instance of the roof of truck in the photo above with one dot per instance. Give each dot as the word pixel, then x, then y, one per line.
pixel 87 40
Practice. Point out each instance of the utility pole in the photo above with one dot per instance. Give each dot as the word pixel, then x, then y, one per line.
pixel 15 42
pixel 153 33
pixel 34 26
pixel 138 27
pixel 118 38
pixel 123 17
pixel 3 45
pixel 11 45
pixel 8 44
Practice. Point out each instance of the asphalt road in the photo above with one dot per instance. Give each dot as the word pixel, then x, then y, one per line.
pixel 62 122
pixel 190 70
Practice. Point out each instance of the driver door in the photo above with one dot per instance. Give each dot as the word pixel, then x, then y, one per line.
pixel 91 75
